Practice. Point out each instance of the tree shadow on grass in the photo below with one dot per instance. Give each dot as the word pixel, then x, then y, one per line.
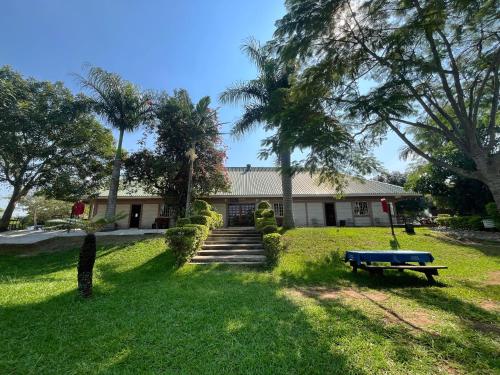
pixel 155 318
pixel 332 270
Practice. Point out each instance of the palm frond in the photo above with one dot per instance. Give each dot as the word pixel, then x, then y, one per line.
pixel 255 52
pixel 252 117
pixel 244 92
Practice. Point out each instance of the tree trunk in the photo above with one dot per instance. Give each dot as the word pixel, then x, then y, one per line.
pixel 115 184
pixel 493 184
pixel 286 185
pixel 7 214
pixel 86 265
pixel 490 172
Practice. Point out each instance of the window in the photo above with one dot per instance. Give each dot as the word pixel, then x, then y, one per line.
pixel 278 209
pixel 167 210
pixel 360 208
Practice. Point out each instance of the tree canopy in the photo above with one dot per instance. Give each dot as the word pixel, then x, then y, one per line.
pixel 419 64
pixel 164 170
pixel 49 141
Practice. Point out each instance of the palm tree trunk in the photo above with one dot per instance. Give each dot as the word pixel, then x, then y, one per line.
pixel 86 265
pixel 286 185
pixel 190 183
pixel 115 183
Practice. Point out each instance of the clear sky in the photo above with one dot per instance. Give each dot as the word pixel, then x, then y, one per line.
pixel 157 44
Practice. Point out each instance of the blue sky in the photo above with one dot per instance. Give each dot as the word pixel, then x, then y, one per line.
pixel 157 44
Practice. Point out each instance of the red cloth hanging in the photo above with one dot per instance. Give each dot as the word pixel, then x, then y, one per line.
pixel 78 208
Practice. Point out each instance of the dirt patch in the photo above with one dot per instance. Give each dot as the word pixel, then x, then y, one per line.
pixel 323 293
pixel 487 328
pixel 417 320
pixel 493 278
pixel 490 305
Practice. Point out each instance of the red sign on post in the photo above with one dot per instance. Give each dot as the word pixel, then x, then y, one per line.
pixel 385 205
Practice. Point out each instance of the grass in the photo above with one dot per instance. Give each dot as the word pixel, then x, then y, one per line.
pixel 308 315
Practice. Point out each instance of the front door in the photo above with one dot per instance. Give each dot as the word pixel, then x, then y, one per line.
pixel 240 214
pixel 330 214
pixel 135 215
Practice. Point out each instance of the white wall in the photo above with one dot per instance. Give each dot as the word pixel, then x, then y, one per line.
pixel 343 211
pixel 379 216
pixel 125 209
pixel 362 221
pixel 316 214
pixel 299 214
pixel 148 215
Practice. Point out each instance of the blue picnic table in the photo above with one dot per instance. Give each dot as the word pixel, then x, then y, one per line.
pixel 398 259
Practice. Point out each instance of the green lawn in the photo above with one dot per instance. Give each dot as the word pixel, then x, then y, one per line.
pixel 309 315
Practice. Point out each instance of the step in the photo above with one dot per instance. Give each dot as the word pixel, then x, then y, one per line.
pixel 228 258
pixel 225 246
pixel 234 231
pixel 231 252
pixel 232 240
pixel 235 263
pixel 235 235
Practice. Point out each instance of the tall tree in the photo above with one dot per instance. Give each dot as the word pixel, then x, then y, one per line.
pixel 49 142
pixel 180 126
pixel 125 107
pixel 262 97
pixel 417 64
pixel 40 209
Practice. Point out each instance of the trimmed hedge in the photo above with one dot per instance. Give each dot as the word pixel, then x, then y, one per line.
pixel 461 222
pixel 267 213
pixel 273 246
pixel 265 221
pixel 200 205
pixel 182 221
pixel 264 205
pixel 186 241
pixel 201 220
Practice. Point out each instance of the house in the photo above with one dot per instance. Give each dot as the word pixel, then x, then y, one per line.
pixel 313 204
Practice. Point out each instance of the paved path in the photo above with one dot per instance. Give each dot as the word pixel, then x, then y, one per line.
pixel 25 237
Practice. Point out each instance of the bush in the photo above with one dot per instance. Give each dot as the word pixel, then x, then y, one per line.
pixel 461 222
pixel 263 205
pixel 182 221
pixel 267 213
pixel 186 241
pixel 269 229
pixel 201 220
pixel 273 246
pixel 493 212
pixel 443 220
pixel 205 213
pixel 200 205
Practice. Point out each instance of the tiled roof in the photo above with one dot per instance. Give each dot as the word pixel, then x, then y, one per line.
pixel 266 182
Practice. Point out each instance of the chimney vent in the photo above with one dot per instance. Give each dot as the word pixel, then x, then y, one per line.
pixel 249 166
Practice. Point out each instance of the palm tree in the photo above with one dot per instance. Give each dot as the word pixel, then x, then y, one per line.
pixel 263 98
pixel 125 107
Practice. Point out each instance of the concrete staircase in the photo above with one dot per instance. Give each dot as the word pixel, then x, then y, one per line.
pixel 239 246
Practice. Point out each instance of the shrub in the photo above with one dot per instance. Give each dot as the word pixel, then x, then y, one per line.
pixel 186 241
pixel 461 222
pixel 200 205
pixel 267 213
pixel 217 220
pixel 205 213
pixel 269 229
pixel 273 246
pixel 201 220
pixel 264 222
pixel 443 220
pixel 182 221
pixel 263 205
pixel 493 212
pixel 258 212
